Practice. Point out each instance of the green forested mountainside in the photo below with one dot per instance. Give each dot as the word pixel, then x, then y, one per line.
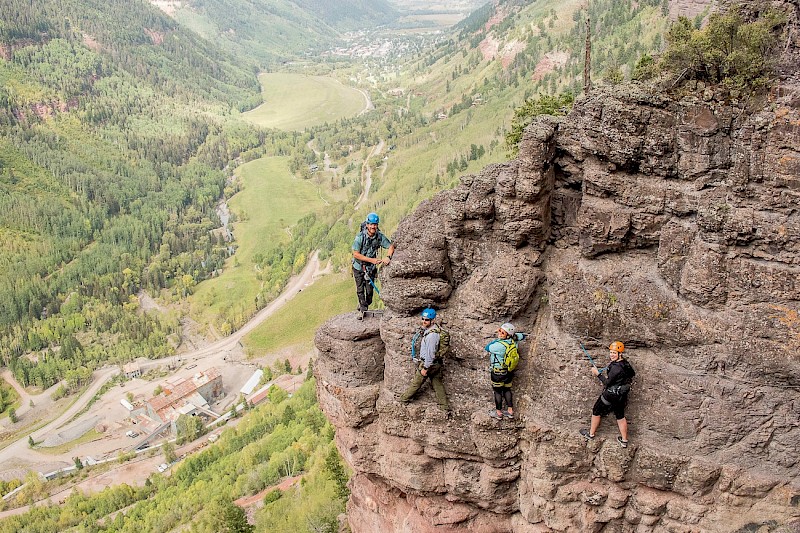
pixel 273 31
pixel 266 32
pixel 283 438
pixel 112 158
pixel 551 35
pixel 135 36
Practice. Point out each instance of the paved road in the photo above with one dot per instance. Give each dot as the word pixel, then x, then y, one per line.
pixel 368 106
pixel 20 450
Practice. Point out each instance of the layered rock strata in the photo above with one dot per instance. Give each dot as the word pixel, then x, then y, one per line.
pixel 669 224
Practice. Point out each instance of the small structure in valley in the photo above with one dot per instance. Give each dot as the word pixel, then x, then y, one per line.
pixel 190 396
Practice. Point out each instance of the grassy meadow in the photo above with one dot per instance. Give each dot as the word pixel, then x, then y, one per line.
pixel 270 203
pixel 294 325
pixel 297 101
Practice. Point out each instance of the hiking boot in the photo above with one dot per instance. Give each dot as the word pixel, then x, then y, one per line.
pixel 622 443
pixel 586 435
pixel 507 414
pixel 493 413
pixel 360 315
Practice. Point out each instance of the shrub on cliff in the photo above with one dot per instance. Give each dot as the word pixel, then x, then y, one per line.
pixel 738 54
pixel 545 104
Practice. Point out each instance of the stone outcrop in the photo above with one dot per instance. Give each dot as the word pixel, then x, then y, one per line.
pixel 670 224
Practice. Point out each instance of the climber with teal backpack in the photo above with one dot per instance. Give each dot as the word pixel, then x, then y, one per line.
pixel 503 361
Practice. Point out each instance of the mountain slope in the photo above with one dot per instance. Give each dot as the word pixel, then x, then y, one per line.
pixel 136 37
pixel 112 145
pixel 271 31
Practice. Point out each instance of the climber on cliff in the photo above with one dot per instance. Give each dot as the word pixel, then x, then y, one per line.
pixel 616 384
pixel 503 359
pixel 365 260
pixel 433 342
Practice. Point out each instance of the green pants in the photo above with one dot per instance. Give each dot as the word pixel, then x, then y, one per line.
pixel 435 375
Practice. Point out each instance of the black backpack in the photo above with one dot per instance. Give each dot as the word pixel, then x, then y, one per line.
pixel 630 373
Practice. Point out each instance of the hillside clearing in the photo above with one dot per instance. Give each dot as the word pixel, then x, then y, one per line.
pixel 297 101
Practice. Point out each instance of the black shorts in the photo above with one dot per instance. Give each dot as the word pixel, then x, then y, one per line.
pixel 502 381
pixel 617 405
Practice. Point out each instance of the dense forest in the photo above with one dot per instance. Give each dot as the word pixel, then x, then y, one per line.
pixel 114 152
pixel 286 437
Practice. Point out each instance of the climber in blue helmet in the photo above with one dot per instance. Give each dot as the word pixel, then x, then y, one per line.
pixel 433 343
pixel 365 260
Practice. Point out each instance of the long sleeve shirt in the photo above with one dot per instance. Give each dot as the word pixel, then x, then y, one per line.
pixel 430 342
pixel 617 374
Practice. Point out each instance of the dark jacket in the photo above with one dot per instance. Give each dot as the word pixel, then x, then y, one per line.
pixel 618 378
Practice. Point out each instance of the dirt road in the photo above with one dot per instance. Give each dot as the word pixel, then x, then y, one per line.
pixel 18 454
pixel 366 174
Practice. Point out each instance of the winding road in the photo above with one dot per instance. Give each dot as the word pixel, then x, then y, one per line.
pixel 366 174
pixel 19 449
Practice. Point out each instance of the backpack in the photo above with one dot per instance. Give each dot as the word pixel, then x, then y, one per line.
pixel 369 246
pixel 444 342
pixel 630 373
pixel 511 357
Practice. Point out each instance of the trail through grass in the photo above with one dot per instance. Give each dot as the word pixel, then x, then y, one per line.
pixel 270 203
pixel 295 324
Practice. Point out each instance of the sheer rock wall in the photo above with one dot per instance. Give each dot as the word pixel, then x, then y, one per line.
pixel 670 225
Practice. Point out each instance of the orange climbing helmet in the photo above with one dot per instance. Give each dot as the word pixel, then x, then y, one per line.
pixel 617 347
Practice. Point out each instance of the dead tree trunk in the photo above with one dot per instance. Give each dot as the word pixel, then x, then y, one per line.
pixel 587 60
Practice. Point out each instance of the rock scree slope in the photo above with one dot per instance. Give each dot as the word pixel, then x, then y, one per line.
pixel 670 224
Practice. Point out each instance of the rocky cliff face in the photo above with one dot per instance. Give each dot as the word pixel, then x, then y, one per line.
pixel 672 225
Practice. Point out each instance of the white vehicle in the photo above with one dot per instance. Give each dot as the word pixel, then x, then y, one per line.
pixel 131 434
pixel 213 437
pixel 162 467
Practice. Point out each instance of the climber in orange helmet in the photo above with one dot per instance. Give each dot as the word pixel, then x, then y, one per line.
pixel 616 384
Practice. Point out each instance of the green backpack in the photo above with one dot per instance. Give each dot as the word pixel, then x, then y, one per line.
pixel 444 343
pixel 511 357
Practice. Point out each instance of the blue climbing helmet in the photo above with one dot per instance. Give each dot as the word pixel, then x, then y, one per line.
pixel 429 313
pixel 373 218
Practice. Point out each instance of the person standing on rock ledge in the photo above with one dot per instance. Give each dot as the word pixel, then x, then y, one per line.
pixel 616 384
pixel 503 359
pixel 431 360
pixel 365 260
